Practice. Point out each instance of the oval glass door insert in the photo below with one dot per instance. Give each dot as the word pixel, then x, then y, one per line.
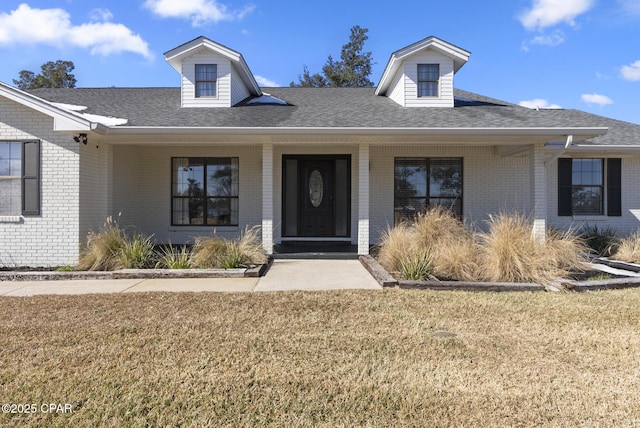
pixel 316 188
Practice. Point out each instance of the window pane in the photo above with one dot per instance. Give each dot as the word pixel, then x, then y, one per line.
pixel 188 177
pixel 587 172
pixel 587 199
pixel 410 178
pixel 10 196
pixel 428 71
pixel 205 89
pixel 11 159
pixel 427 89
pixel 222 211
pixel 408 208
pixel 445 179
pixel 222 177
pixel 206 71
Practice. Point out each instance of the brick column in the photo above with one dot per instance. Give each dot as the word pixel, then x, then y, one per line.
pixel 363 199
pixel 538 191
pixel 267 198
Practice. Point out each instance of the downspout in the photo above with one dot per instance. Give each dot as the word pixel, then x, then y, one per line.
pixel 560 151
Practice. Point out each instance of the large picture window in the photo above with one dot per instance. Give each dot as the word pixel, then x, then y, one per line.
pixel 204 191
pixel 206 80
pixel 585 184
pixel 420 183
pixel 19 178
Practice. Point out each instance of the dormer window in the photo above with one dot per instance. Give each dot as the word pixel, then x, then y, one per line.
pixel 428 80
pixel 206 80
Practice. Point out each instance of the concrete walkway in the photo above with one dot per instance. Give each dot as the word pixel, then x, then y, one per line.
pixel 282 276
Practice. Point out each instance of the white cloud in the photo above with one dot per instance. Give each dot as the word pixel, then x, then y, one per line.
pixel 630 6
pixel 631 71
pixel 547 13
pixel 538 103
pixel 266 83
pixel 52 27
pixel 601 100
pixel 199 12
pixel 552 40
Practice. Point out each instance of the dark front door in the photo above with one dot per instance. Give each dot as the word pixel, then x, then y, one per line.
pixel 316 196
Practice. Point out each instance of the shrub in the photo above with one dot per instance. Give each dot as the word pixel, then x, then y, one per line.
pixel 441 244
pixel 395 244
pixel 137 252
pixel 214 252
pixel 602 241
pixel 449 242
pixel 113 248
pixel 171 257
pixel 416 266
pixel 511 253
pixel 103 247
pixel 628 248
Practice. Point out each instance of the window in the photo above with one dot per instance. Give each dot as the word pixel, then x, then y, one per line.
pixel 428 80
pixel 582 187
pixel 206 80
pixel 204 191
pixel 19 178
pixel 423 182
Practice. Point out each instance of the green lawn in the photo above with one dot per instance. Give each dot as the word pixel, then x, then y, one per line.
pixel 356 358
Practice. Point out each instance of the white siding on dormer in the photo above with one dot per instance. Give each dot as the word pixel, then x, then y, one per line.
pixel 397 88
pixel 223 99
pixel 410 72
pixel 238 89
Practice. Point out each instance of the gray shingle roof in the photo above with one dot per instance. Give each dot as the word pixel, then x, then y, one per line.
pixel 331 107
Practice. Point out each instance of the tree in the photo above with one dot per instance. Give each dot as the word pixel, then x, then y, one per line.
pixel 53 75
pixel 352 70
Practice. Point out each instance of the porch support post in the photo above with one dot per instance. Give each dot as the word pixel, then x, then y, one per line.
pixel 363 199
pixel 538 191
pixel 267 198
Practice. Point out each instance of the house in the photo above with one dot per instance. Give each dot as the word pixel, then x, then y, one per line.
pixel 331 165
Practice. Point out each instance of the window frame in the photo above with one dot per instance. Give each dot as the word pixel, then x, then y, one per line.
pixel 197 81
pixel 427 81
pixel 233 197
pixel 29 178
pixel 428 163
pixel 610 187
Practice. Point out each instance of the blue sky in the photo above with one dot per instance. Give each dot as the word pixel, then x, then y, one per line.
pixel 582 54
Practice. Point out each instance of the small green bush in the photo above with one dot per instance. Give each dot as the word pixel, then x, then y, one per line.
pixel 601 241
pixel 171 257
pixel 416 266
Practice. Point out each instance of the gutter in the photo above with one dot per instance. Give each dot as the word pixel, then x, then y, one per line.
pixel 584 133
pixel 560 151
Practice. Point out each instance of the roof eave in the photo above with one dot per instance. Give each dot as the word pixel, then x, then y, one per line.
pixel 63 120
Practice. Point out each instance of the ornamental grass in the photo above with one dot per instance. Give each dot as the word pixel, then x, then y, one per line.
pixel 506 252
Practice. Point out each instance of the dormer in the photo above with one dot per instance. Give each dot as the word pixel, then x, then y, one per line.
pixel 212 74
pixel 421 74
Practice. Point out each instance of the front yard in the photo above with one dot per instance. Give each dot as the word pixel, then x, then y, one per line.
pixel 358 358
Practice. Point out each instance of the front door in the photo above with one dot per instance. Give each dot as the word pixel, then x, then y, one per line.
pixel 316 198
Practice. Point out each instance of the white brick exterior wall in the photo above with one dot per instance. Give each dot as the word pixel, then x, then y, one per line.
pixel 52 238
pixel 142 189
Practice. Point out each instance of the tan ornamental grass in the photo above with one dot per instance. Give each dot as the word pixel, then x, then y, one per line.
pixel 507 252
pixel 628 248
pixel 215 252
